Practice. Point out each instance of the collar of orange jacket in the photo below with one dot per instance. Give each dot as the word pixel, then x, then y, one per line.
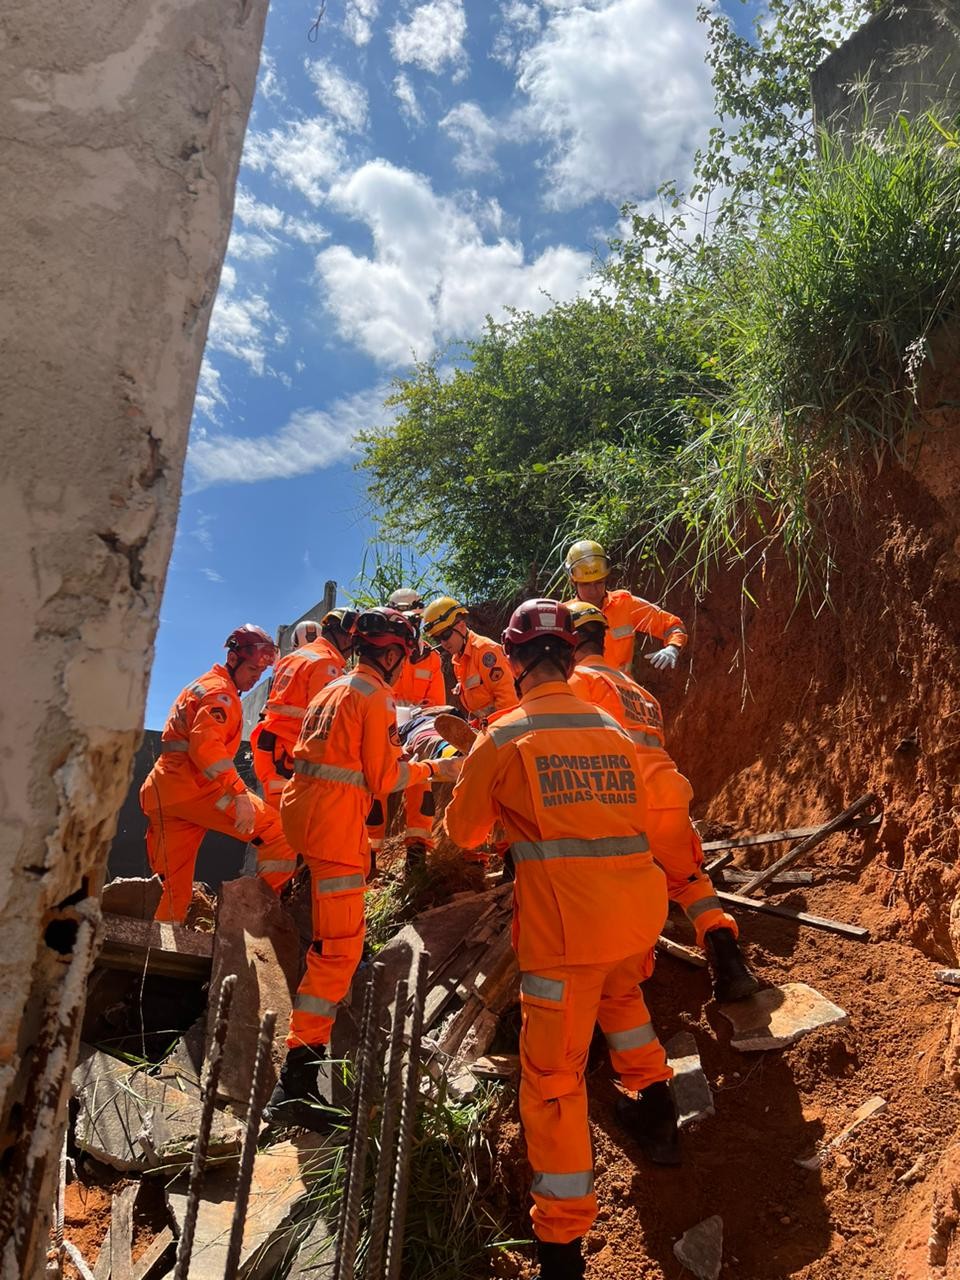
pixel 371 671
pixel 550 689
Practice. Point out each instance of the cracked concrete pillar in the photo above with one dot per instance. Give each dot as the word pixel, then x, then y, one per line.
pixel 121 126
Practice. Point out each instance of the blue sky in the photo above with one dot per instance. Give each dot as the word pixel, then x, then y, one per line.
pixel 421 164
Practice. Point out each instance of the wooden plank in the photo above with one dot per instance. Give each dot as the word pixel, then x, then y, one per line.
pixel 102 1270
pixel 156 946
pixel 152 1255
pixel 868 801
pixel 121 1234
pixel 777 837
pixel 736 875
pixel 717 864
pixel 496 1066
pixel 679 952
pixel 800 917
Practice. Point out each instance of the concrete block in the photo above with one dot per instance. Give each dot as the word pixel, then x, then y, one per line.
pixel 315 1259
pixel 134 1121
pixel 701 1248
pixel 779 1016
pixel 258 941
pixel 691 1089
pixel 282 1177
pixel 137 896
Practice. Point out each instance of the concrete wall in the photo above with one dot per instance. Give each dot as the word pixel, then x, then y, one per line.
pixel 123 122
pixel 905 59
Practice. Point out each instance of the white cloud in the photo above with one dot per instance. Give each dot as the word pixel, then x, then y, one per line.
pixel 306 154
pixel 244 245
pixel 338 94
pixel 406 95
pixel 272 221
pixel 620 92
pixel 211 396
pixel 475 135
pixel 432 37
pixel 310 440
pixel 359 18
pixel 432 275
pixel 269 85
pixel 212 575
pixel 520 23
pixel 242 325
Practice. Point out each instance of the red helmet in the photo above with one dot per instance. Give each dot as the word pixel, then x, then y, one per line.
pixel 384 626
pixel 305 632
pixel 538 619
pixel 249 642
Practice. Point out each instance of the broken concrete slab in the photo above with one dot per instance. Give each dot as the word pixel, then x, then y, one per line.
pixel 256 940
pixel 701 1248
pixel 316 1256
pixel 134 1121
pixel 184 1064
pixel 872 1107
pixel 279 1200
pixel 691 1089
pixel 135 896
pixel 779 1016
pixel 154 946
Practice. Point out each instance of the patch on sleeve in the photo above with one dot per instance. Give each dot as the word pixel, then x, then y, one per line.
pixel 489 658
pixel 224 697
pixel 219 714
pixel 394 735
pixel 497 674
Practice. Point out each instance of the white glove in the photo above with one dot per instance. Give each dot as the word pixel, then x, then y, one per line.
pixel 665 657
pixel 447 770
pixel 244 814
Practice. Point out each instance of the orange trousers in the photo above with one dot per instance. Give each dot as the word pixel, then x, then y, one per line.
pixel 559 1009
pixel 272 765
pixel 677 849
pixel 175 832
pixel 418 811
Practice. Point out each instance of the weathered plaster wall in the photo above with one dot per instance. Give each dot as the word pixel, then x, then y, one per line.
pixel 121 126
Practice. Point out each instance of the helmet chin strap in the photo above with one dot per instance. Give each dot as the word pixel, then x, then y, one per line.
pixel 388 675
pixel 548 655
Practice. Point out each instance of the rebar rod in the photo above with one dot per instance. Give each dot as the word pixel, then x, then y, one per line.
pixel 348 1231
pixel 389 1121
pixel 251 1133
pixel 208 1097
pixel 408 1115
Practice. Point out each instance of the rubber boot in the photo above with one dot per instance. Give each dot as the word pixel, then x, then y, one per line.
pixel 416 859
pixel 651 1120
pixel 296 1101
pixel 561 1261
pixel 732 979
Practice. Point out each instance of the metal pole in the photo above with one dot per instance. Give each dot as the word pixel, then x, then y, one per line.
pixel 389 1121
pixel 249 1150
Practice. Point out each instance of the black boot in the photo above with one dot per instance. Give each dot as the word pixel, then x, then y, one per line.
pixel 560 1261
pixel 732 979
pixel 416 859
pixel 651 1119
pixel 296 1101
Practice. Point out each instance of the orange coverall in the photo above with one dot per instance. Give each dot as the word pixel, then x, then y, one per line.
pixel 673 841
pixel 420 681
pixel 484 679
pixel 563 779
pixel 191 788
pixel 297 679
pixel 626 615
pixel 348 751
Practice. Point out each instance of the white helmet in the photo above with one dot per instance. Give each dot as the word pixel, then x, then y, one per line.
pixel 305 632
pixel 406 601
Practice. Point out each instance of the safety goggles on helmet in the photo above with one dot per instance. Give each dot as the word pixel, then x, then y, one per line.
pixel 584 614
pixel 339 620
pixel 587 562
pixel 251 644
pixel 407 601
pixel 384 626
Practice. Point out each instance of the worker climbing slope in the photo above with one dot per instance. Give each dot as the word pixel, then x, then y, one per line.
pixel 348 751
pixel 194 786
pixel 484 684
pixel 673 840
pixel 588 569
pixel 563 778
pixel 297 679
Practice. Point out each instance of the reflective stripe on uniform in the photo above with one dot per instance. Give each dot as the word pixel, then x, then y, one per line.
pixel 643 739
pixel 501 733
pixel 619 633
pixel 330 772
pixel 198 690
pixel 471 682
pixel 276 864
pixel 422 673
pixel 531 984
pixel 311 657
pixel 632 1038
pixel 697 909
pixel 219 766
pixel 605 847
pixel 224 802
pixel 337 884
pixel 276 784
pixel 168 748
pixel 562 1186
pixel 362 686
pixel 403 777
pixel 418 831
pixel 315 1004
pixel 283 710
pixel 484 711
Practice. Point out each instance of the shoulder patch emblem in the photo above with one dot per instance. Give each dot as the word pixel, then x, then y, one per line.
pixel 489 659
pixel 224 697
pixel 497 674
pixel 219 714
pixel 394 736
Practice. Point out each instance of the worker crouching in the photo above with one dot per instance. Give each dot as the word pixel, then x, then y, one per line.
pixel 564 781
pixel 348 751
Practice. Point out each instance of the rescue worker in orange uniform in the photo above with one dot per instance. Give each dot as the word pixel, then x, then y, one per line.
pixel 484 684
pixel 588 569
pixel 564 780
pixel 673 840
pixel 347 752
pixel 194 787
pixel 336 627
pixel 420 684
pixel 297 679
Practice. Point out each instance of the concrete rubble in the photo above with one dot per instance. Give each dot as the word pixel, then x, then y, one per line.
pixel 275 1223
pixel 701 1248
pixel 874 1106
pixel 779 1016
pixel 691 1090
pixel 133 1121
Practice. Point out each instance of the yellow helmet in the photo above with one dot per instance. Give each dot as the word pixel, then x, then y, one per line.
pixel 587 562
pixel 441 614
pixel 585 615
